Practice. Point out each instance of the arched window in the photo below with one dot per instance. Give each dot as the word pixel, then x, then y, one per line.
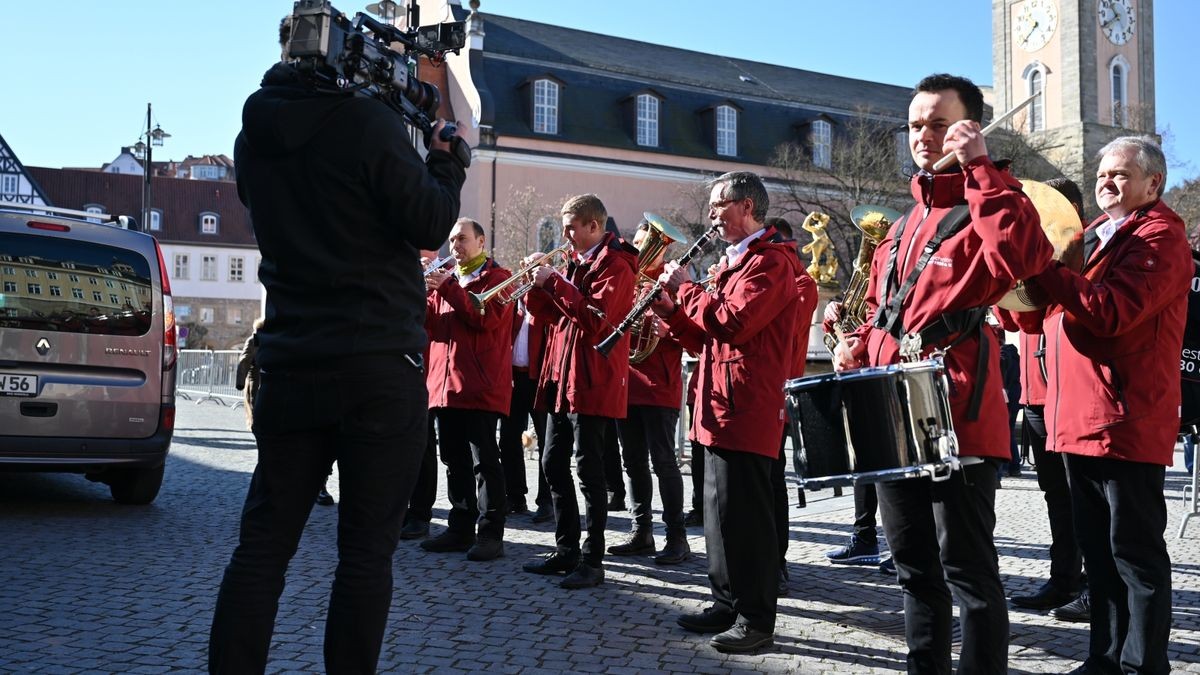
pixel 1035 83
pixel 93 208
pixel 822 144
pixel 545 107
pixel 1118 71
pixel 726 130
pixel 647 120
pixel 209 222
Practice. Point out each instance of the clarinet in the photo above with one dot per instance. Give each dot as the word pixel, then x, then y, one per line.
pixel 640 308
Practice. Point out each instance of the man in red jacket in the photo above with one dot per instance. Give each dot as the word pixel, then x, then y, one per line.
pixel 970 236
pixel 529 339
pixel 648 436
pixel 582 390
pixel 744 332
pixel 1112 398
pixel 470 387
pixel 1061 592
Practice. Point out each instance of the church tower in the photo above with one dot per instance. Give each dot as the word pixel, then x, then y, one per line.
pixel 1092 62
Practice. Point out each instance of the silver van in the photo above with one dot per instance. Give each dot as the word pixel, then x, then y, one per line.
pixel 87 349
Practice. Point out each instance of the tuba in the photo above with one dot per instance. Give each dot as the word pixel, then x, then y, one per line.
pixel 874 223
pixel 659 235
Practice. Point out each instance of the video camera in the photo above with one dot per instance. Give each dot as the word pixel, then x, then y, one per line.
pixel 356 55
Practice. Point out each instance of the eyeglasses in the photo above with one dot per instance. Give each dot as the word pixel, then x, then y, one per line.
pixel 721 204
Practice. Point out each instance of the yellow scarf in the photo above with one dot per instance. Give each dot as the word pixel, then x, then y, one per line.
pixel 465 270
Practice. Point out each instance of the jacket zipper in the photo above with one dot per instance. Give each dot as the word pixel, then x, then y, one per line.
pixel 1057 386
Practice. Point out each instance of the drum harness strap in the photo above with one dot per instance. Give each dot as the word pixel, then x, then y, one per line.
pixel 962 322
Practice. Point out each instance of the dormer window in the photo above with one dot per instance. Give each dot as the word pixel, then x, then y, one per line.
pixel 647 120
pixel 822 144
pixel 209 222
pixel 93 208
pixel 155 220
pixel 545 106
pixel 726 130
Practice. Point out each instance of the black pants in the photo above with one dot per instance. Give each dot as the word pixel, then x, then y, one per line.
pixel 613 478
pixel 372 421
pixel 474 477
pixel 648 436
pixel 1066 563
pixel 697 470
pixel 512 452
pixel 780 503
pixel 420 505
pixel 1120 515
pixel 581 436
pixel 941 540
pixel 866 502
pixel 740 537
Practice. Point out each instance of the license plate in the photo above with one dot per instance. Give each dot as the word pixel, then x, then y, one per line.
pixel 13 384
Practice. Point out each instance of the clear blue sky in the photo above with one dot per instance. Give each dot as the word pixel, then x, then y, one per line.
pixel 78 75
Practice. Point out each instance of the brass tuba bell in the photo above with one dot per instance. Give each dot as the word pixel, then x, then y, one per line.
pixel 659 235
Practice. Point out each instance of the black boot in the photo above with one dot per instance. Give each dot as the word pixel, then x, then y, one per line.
pixel 675 551
pixel 641 542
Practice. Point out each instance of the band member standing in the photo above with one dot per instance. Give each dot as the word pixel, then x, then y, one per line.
pixel 744 332
pixel 1061 592
pixel 1112 398
pixel 529 341
pixel 469 379
pixel 582 390
pixel 648 436
pixel 959 249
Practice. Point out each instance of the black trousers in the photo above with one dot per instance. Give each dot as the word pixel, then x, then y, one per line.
pixel 648 436
pixel 941 540
pixel 372 421
pixel 1066 563
pixel 474 477
pixel 866 502
pixel 697 470
pixel 420 505
pixel 613 478
pixel 512 452
pixel 1120 516
pixel 740 536
pixel 581 436
pixel 780 503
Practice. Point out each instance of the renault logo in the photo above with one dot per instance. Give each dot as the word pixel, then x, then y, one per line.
pixel 42 346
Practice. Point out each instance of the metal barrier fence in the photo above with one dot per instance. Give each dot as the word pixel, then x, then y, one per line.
pixel 208 375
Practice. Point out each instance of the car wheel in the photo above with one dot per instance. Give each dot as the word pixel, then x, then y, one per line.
pixel 135 486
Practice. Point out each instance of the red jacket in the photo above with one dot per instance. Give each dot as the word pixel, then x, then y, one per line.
pixel 470 354
pixel 658 381
pixel 1033 382
pixel 806 305
pixel 745 333
pixel 588 383
pixel 1001 243
pixel 1114 333
pixel 536 336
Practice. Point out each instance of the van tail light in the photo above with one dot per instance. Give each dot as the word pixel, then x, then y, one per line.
pixel 170 341
pixel 166 418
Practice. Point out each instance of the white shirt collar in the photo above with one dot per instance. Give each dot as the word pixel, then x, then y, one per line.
pixel 734 252
pixel 1105 231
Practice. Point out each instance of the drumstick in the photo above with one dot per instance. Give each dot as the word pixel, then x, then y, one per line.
pixel 950 159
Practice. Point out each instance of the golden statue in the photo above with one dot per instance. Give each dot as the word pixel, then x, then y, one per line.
pixel 824 263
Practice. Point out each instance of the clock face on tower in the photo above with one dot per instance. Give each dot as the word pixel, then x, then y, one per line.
pixel 1116 20
pixel 1035 24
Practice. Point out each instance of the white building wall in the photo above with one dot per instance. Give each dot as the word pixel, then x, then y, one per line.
pixel 124 164
pixel 193 286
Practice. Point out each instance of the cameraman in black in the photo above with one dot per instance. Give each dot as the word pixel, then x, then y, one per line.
pixel 340 202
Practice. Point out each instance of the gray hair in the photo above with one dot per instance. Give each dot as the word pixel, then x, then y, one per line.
pixel 738 185
pixel 1147 154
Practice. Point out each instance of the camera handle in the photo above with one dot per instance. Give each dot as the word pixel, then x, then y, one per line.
pixel 459 148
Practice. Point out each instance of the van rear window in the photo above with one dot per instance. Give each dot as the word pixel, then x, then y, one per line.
pixel 61 284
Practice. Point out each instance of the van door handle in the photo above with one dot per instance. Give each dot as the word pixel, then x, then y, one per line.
pixel 37 409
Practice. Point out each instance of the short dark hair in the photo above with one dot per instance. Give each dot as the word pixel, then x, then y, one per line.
pixel 784 227
pixel 1069 189
pixel 474 225
pixel 968 93
pixel 738 185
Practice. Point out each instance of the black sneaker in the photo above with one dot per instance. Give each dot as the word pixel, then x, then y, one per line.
pixel 856 553
pixel 554 563
pixel 1078 610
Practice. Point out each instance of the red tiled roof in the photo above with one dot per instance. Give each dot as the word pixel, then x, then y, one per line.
pixel 181 200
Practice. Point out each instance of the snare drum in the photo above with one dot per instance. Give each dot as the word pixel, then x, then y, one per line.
pixel 872 425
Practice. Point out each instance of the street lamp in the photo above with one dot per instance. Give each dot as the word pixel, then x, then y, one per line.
pixel 154 137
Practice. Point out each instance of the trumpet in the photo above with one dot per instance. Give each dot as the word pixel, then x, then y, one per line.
pixel 437 265
pixel 480 300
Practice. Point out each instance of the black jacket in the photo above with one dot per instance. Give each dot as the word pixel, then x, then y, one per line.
pixel 340 203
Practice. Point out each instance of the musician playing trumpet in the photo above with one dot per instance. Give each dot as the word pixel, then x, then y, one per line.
pixel 744 332
pixel 970 235
pixel 469 379
pixel 582 390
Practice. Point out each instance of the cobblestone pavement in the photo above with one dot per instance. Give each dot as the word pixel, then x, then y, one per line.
pixel 86 585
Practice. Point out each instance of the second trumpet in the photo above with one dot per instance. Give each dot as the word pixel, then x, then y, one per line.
pixel 480 300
